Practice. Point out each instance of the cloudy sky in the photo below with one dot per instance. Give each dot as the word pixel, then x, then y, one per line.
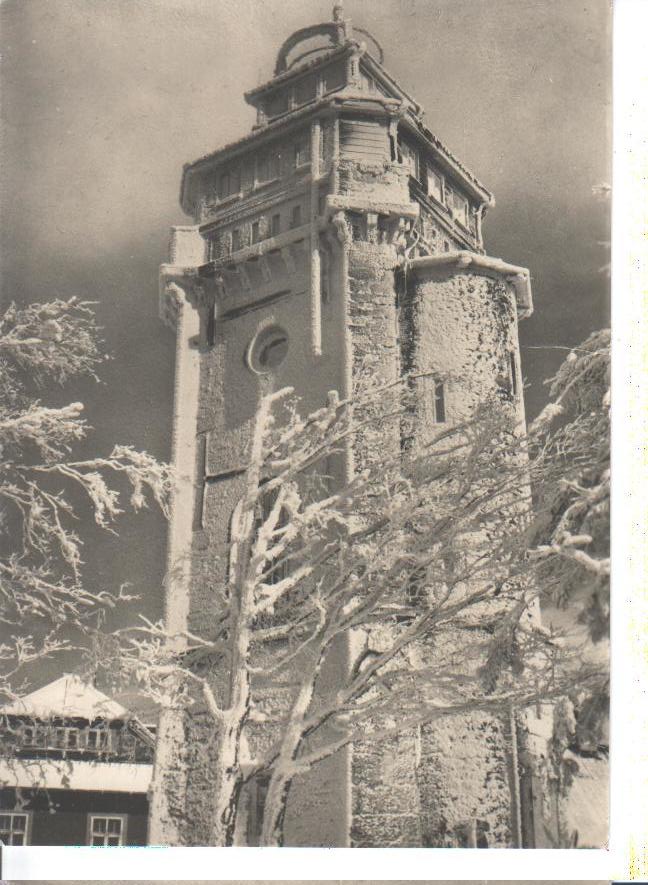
pixel 104 100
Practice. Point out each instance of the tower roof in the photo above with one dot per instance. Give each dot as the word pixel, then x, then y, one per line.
pixel 305 55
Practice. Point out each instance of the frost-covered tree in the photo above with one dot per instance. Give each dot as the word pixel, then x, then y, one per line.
pixel 570 545
pixel 572 509
pixel 44 602
pixel 417 562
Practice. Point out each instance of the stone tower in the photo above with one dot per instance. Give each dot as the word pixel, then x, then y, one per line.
pixel 287 270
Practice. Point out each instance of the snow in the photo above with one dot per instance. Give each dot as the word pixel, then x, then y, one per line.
pixel 518 276
pixel 57 774
pixel 67 697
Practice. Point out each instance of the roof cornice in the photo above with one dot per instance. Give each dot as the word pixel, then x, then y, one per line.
pixel 467 262
pixel 252 95
pixel 378 105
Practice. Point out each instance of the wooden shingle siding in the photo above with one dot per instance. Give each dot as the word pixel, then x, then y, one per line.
pixel 364 141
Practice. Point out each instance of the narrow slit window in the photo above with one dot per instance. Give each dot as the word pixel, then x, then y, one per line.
pixel 302 153
pixel 513 373
pixel 409 157
pixel 257 800
pixel 256 235
pixel 210 326
pixel 276 224
pixel 295 217
pixel 434 184
pixel 236 239
pixel 201 476
pixel 439 402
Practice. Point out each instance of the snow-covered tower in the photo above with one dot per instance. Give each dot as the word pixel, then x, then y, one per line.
pixel 288 271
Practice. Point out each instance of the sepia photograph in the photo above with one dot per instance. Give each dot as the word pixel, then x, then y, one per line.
pixel 305 423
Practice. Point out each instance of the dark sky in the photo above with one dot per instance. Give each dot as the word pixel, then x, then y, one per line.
pixel 104 100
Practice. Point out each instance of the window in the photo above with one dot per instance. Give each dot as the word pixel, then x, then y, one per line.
pixel 229 184
pixel 357 223
pixel 258 792
pixel 98 739
pixel 14 828
pixel 269 167
pixel 107 830
pixel 224 186
pixel 277 104
pixel 255 232
pixel 333 77
pixel 275 226
pixel 434 184
pixel 305 90
pixel 215 247
pixel 322 153
pixel 513 372
pixel 459 207
pixel 433 400
pixel 439 402
pixel 236 239
pixel 295 216
pixel 473 834
pixel 67 738
pixel 268 350
pixel 34 735
pixel 302 152
pixel 409 157
pixel 29 735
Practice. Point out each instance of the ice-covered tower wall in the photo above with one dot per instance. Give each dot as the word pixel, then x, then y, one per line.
pixel 299 231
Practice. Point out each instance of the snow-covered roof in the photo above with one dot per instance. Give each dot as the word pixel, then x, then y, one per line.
pixel 67 697
pixel 59 774
pixel 461 259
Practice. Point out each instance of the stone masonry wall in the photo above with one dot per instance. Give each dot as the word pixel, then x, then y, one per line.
pixel 229 393
pixel 385 801
pixel 462 328
pixel 465 779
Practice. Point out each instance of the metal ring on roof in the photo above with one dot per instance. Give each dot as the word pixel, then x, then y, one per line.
pixel 326 29
pixel 335 33
pixel 377 46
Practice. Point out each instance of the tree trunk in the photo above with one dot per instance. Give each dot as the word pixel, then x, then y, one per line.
pixel 228 780
pixel 286 765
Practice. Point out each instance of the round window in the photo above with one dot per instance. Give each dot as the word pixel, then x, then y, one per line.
pixel 268 350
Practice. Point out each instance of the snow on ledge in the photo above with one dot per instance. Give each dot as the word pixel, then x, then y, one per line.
pixel 60 774
pixel 463 260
